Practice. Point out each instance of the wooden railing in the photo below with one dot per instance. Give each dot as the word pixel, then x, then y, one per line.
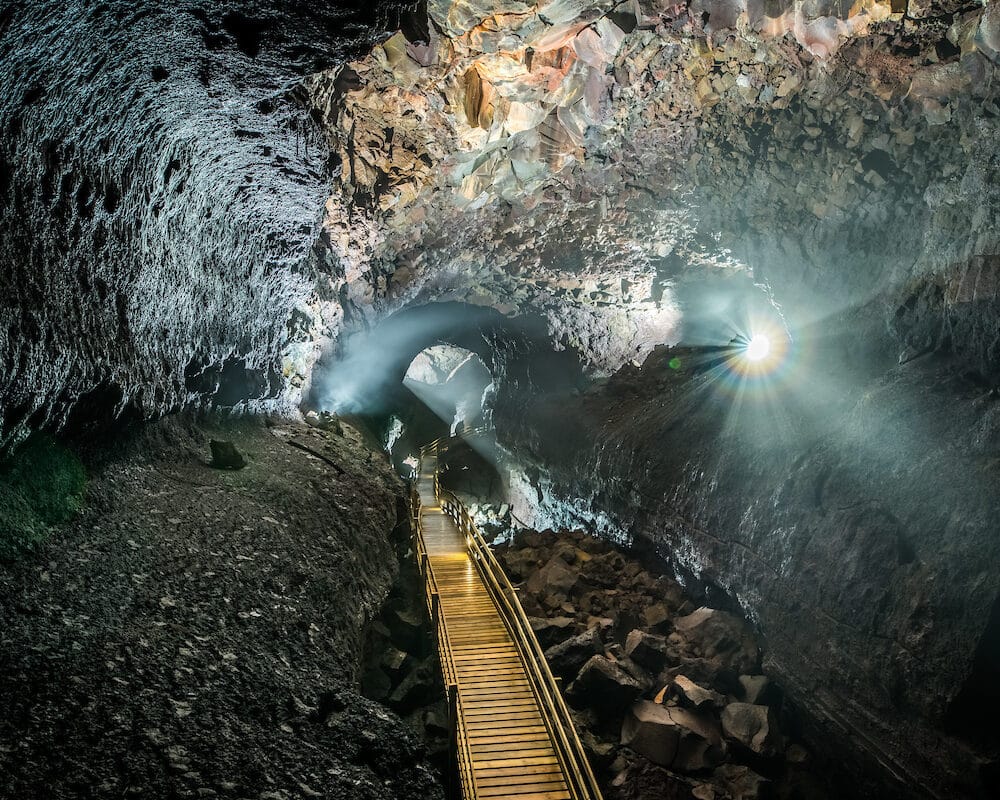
pixel 461 749
pixel 442 443
pixel 569 750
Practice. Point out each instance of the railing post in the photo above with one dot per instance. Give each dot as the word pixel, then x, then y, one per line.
pixel 454 776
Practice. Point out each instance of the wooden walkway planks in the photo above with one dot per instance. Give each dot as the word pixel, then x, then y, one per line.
pixel 512 752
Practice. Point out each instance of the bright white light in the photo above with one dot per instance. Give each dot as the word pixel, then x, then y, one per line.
pixel 758 347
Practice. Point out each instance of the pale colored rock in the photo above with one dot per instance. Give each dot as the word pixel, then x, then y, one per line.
pixel 698 697
pixel 672 737
pixel 754 727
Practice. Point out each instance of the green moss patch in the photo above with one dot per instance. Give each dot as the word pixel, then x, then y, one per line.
pixel 41 484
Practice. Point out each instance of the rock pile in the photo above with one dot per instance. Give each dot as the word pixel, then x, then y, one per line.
pixel 668 695
pixel 401 668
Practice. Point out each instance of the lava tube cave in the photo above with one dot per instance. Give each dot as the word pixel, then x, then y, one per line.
pixel 510 400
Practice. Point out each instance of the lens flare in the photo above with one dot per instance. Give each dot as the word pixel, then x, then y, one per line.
pixel 758 348
pixel 761 356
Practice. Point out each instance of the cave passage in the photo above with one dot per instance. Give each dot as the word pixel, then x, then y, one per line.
pixel 699 301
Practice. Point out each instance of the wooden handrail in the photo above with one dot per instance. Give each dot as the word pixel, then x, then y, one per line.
pixel 443 442
pixel 569 750
pixel 448 670
pixel 572 758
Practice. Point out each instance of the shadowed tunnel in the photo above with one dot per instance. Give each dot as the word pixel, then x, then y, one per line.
pixel 699 301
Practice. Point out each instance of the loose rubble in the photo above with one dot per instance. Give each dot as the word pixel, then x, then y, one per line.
pixel 668 696
pixel 197 632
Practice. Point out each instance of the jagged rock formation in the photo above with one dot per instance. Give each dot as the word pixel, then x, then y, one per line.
pixel 705 718
pixel 161 192
pixel 581 161
pixel 853 525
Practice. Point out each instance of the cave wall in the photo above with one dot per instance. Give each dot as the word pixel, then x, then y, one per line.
pixel 161 192
pixel 850 512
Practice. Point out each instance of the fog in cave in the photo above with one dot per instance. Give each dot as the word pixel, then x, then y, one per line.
pixel 457 399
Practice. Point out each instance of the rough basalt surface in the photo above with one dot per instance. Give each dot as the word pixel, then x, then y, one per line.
pixel 854 526
pixel 707 724
pixel 161 191
pixel 197 632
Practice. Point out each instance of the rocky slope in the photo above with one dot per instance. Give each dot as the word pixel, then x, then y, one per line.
pixel 850 518
pixel 669 697
pixel 198 632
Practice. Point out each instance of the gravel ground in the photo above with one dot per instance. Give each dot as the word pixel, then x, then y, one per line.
pixel 197 632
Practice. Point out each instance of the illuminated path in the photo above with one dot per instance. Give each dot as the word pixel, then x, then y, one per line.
pixel 514 736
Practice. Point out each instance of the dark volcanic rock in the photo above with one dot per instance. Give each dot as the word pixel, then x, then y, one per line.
pixel 198 632
pixel 673 737
pixel 161 192
pixel 650 651
pixel 863 548
pixel 604 686
pixel 226 456
pixel 566 659
pixel 754 727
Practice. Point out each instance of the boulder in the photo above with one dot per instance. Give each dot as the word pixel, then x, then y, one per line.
pixel 393 660
pixel 694 696
pixel 555 577
pixel 604 686
pixel 642 677
pixel 226 456
pixel 673 737
pixel 754 727
pixel 649 651
pixel 566 659
pixel 551 630
pixel 419 685
pixel 721 637
pixel 738 781
pixel 406 628
pixel 519 563
pixel 565 550
pixel 656 617
pixel 605 569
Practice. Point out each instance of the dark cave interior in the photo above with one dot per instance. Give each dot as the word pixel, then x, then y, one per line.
pixel 699 301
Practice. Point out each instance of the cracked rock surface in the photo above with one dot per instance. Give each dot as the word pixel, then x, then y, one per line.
pixel 160 192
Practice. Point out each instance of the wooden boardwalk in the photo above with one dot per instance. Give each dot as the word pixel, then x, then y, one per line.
pixel 509 744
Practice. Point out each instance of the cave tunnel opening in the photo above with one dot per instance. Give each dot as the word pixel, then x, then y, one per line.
pixel 371 375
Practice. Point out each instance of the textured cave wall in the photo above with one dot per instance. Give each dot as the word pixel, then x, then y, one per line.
pixel 850 511
pixel 160 193
pixel 875 186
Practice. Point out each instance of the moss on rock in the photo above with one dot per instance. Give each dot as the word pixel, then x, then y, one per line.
pixel 41 484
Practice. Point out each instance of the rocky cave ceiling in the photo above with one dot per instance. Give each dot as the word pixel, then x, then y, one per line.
pixel 588 161
pixel 190 195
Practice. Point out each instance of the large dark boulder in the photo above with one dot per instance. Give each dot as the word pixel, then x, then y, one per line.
pixel 605 687
pixel 566 658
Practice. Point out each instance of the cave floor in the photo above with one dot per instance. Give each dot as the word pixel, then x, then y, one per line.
pixel 196 632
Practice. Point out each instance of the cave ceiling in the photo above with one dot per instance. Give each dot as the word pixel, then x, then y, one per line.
pixel 586 160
